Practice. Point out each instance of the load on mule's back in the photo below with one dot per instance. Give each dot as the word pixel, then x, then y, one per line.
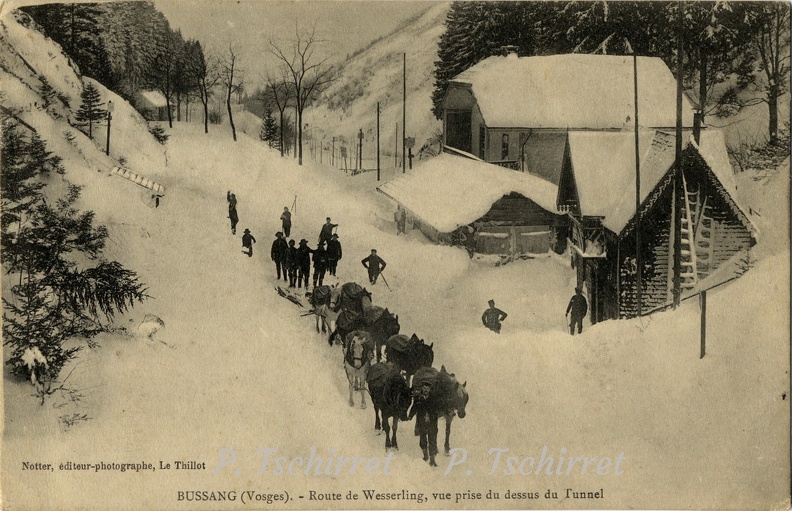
pixel 353 301
pixel 409 353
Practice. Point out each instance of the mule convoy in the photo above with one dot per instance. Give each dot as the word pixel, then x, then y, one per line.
pixel 402 384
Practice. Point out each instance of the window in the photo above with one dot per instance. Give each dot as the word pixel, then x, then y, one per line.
pixel 505 147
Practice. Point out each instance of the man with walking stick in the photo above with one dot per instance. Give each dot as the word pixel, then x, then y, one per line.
pixel 374 264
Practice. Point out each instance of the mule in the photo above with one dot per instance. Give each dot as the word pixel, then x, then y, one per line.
pixel 436 394
pixel 391 397
pixel 324 301
pixel 358 353
pixel 409 353
pixel 381 329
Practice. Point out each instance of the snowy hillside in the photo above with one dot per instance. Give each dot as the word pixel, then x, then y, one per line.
pixel 237 367
pixel 375 75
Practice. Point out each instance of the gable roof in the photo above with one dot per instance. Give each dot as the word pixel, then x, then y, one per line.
pixel 574 91
pixel 450 191
pixel 604 167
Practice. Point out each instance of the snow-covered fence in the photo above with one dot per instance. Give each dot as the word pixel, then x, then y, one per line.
pixel 139 180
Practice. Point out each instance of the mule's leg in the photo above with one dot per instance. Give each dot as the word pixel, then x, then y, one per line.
pixel 448 418
pixel 386 428
pixel 324 325
pixel 351 389
pixel 318 319
pixel 377 425
pixel 395 444
pixel 363 396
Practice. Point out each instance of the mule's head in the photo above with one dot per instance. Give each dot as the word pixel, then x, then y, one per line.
pixel 358 350
pixel 334 301
pixel 461 399
pixel 391 326
pixel 425 356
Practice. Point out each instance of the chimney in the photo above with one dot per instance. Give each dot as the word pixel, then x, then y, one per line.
pixel 509 50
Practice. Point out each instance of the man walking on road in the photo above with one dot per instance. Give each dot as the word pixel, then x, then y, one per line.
pixel 492 317
pixel 578 306
pixel 304 263
pixel 232 212
pixel 286 222
pixel 247 242
pixel 327 231
pixel 374 264
pixel 333 254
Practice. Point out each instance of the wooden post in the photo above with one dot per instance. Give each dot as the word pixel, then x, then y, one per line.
pixel 678 189
pixel 404 112
pixel 378 142
pixel 638 262
pixel 703 303
pixel 396 148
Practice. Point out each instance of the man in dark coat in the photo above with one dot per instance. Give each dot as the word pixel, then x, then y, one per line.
pixel 374 264
pixel 278 254
pixel 286 222
pixel 247 242
pixel 292 263
pixel 319 264
pixel 333 254
pixel 327 231
pixel 578 306
pixel 492 317
pixel 232 212
pixel 303 263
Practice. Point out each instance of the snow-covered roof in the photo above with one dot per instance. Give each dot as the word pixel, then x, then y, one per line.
pixel 154 98
pixel 450 191
pixel 604 167
pixel 574 91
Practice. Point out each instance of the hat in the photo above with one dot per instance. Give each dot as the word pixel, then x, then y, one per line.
pixel 373 249
pixel 247 231
pixel 335 235
pixel 278 234
pixel 303 241
pixel 491 302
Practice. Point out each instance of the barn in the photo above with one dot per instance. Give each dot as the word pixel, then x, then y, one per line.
pixel 152 105
pixel 597 192
pixel 458 200
pixel 515 111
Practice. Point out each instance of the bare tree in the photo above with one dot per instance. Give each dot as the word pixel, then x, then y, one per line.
pixel 233 80
pixel 208 78
pixel 308 71
pixel 280 93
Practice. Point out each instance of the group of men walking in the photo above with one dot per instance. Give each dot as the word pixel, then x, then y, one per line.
pixel 293 264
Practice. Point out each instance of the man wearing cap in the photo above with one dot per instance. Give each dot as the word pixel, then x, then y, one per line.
pixel 319 264
pixel 327 231
pixel 303 263
pixel 374 264
pixel 578 306
pixel 333 254
pixel 247 242
pixel 278 254
pixel 492 317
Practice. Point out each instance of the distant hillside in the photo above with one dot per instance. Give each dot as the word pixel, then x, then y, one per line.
pixel 373 75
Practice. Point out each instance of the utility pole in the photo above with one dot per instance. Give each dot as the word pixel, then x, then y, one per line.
pixel 332 157
pixel 109 118
pixel 404 111
pixel 638 261
pixel 378 142
pixel 396 148
pixel 678 188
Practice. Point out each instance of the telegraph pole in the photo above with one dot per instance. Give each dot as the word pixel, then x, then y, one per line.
pixel 378 142
pixel 678 188
pixel 638 261
pixel 404 111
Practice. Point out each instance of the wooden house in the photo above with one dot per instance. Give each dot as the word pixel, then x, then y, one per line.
pixel 597 191
pixel 515 111
pixel 492 210
pixel 152 105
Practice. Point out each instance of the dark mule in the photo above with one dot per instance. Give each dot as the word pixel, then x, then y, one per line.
pixel 382 328
pixel 391 397
pixel 436 394
pixel 409 353
pixel 358 354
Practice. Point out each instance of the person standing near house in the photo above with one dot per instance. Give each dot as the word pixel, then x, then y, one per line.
pixel 303 263
pixel 247 242
pixel 232 211
pixel 492 317
pixel 374 264
pixel 578 306
pixel 400 216
pixel 327 231
pixel 278 254
pixel 333 254
pixel 286 222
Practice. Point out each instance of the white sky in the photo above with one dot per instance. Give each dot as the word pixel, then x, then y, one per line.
pixel 345 25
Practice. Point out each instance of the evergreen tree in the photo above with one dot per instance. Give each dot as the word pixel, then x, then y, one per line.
pixel 65 288
pixel 269 129
pixel 46 92
pixel 90 110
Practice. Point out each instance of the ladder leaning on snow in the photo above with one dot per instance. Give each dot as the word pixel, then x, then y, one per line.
pixel 139 180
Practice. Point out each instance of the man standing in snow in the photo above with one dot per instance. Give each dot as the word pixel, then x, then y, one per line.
pixel 286 222
pixel 232 212
pixel 374 264
pixel 327 231
pixel 400 216
pixel 278 254
pixel 333 254
pixel 292 263
pixel 320 264
pixel 578 306
pixel 303 263
pixel 492 317
pixel 247 242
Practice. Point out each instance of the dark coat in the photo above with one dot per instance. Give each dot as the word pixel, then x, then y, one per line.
pixel 279 248
pixel 374 263
pixel 248 240
pixel 334 249
pixel 292 259
pixel 304 256
pixel 327 232
pixel 286 218
pixel 320 258
pixel 578 306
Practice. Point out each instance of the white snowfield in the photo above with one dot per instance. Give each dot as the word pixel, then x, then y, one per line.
pixel 237 370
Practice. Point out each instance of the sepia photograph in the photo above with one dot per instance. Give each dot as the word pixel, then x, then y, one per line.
pixel 408 254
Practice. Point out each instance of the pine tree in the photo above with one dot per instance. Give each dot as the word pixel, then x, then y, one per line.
pixel 269 129
pixel 46 92
pixel 90 110
pixel 65 288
